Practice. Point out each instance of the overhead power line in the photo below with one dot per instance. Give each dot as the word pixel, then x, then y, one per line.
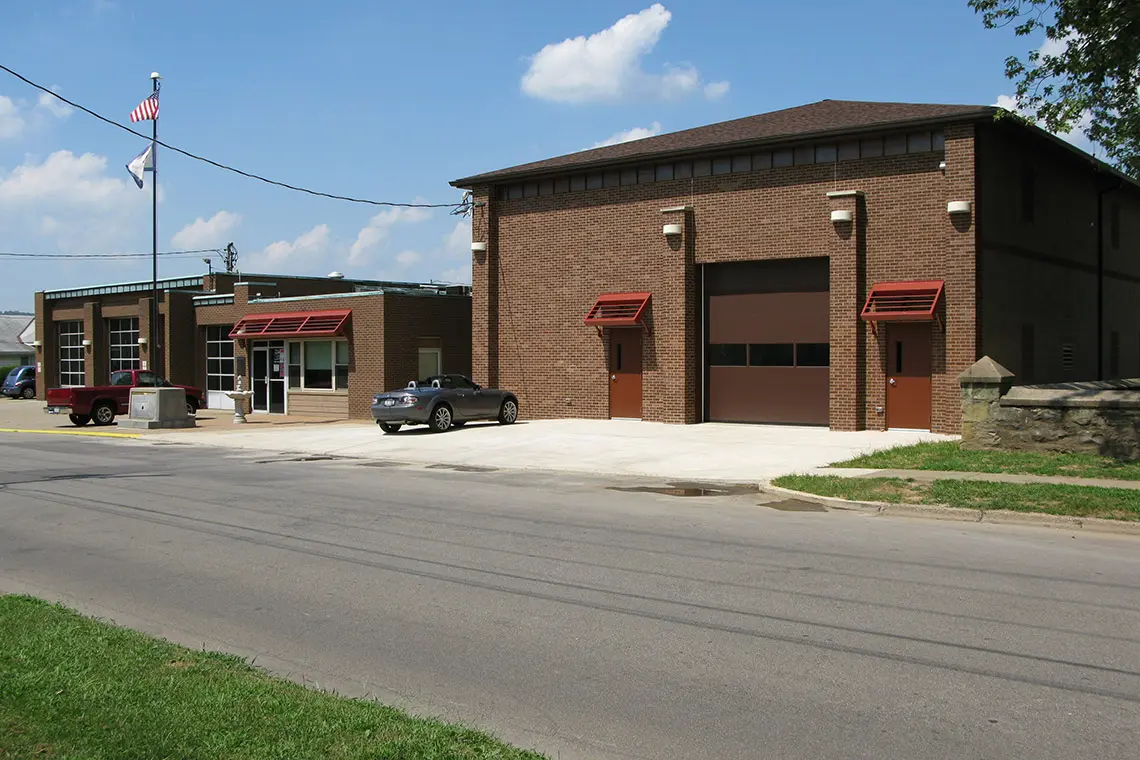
pixel 106 256
pixel 460 207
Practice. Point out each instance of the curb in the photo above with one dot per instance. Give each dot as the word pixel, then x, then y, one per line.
pixel 86 433
pixel 961 514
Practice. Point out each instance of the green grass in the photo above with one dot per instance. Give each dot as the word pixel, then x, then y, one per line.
pixel 80 689
pixel 950 457
pixel 1077 501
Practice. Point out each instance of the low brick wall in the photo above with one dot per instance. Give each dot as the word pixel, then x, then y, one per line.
pixel 1095 417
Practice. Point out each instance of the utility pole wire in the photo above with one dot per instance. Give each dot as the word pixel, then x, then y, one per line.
pixel 458 208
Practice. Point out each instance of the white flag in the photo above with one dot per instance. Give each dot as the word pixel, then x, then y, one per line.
pixel 140 164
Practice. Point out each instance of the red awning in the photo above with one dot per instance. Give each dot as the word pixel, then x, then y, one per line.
pixel 618 310
pixel 913 301
pixel 293 324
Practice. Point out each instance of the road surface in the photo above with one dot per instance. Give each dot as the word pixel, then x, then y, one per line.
pixel 595 623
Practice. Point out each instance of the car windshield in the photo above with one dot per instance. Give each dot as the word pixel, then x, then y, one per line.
pixel 446 381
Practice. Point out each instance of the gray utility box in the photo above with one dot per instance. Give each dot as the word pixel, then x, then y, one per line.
pixel 157 408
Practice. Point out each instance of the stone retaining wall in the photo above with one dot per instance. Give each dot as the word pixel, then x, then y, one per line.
pixel 1094 417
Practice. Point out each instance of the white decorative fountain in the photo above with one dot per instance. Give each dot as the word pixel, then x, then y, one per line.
pixel 239 398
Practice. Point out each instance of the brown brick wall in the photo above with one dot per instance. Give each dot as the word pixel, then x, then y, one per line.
pixel 1043 273
pixel 409 320
pixel 373 365
pixel 551 256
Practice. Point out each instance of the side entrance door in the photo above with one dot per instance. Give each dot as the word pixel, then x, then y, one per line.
pixel 625 373
pixel 259 376
pixel 908 376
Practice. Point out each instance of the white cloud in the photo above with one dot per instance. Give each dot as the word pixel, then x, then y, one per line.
pixel 17 115
pixel 54 106
pixel 461 275
pixel 67 202
pixel 206 233
pixel 11 120
pixel 607 65
pixel 407 258
pixel 307 246
pixel 636 133
pixel 379 226
pixel 64 177
pixel 716 90
pixel 458 241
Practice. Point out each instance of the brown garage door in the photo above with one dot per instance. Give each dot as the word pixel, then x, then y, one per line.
pixel 767 353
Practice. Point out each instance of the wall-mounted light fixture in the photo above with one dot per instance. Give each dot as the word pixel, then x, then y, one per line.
pixel 942 166
pixel 842 216
pixel 86 343
pixel 479 247
pixel 672 229
pixel 958 207
pixel 37 343
pixel 142 341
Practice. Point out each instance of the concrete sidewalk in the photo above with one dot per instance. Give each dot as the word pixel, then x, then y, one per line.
pixel 707 452
pixel 929 476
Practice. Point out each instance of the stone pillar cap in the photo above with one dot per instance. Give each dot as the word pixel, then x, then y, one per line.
pixel 986 371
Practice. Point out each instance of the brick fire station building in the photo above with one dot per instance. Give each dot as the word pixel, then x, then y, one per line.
pixel 303 345
pixel 837 263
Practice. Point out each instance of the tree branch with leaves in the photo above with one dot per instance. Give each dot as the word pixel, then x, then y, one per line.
pixel 1087 71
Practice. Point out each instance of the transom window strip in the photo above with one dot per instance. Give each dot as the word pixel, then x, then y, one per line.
pixel 823 153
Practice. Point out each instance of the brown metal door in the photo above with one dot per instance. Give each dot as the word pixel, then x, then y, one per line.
pixel 908 376
pixel 625 373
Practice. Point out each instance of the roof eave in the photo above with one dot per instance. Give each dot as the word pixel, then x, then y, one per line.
pixel 503 175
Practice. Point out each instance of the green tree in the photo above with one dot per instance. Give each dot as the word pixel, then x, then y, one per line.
pixel 1089 68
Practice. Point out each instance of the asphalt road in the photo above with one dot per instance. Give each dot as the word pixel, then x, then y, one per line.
pixel 593 623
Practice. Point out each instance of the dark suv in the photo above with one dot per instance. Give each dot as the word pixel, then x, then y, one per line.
pixel 20 383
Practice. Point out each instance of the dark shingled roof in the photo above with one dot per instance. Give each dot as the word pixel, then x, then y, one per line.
pixel 815 119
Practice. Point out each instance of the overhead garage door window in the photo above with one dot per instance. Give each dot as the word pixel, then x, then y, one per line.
pixel 813 354
pixel 728 355
pixel 772 355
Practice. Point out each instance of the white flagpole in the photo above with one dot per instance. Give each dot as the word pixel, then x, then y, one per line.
pixel 152 344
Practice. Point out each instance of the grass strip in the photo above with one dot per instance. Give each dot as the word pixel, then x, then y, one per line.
pixel 1075 501
pixel 950 457
pixel 76 688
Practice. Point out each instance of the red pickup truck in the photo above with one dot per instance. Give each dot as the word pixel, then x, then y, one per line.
pixel 101 403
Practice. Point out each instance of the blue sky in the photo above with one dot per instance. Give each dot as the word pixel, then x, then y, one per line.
pixel 390 101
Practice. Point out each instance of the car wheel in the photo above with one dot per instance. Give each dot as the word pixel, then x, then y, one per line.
pixel 79 420
pixel 104 414
pixel 191 408
pixel 388 427
pixel 508 412
pixel 440 419
pixel 28 393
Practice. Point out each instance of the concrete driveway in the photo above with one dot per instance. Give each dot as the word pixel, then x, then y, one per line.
pixel 743 453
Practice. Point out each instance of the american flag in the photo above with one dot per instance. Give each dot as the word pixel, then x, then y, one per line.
pixel 146 110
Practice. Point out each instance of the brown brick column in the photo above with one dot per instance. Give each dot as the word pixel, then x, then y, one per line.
pixel 94 355
pixel 847 257
pixel 959 339
pixel 674 326
pixel 485 291
pixel 47 353
pixel 148 351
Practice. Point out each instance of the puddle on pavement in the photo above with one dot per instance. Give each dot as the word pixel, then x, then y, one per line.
pixel 795 505
pixel 311 458
pixel 689 489
pixel 462 468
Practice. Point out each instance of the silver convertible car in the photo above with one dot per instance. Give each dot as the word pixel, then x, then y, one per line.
pixel 442 402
